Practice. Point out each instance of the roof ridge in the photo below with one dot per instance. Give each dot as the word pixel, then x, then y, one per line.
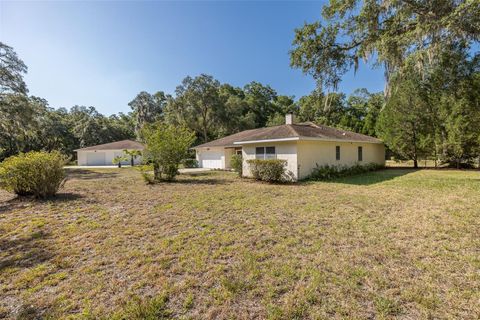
pixel 292 129
pixel 123 144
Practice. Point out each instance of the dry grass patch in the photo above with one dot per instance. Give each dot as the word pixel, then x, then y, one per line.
pixel 389 244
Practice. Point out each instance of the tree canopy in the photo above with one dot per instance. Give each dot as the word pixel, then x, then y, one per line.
pixel 384 32
pixel 12 69
pixel 432 110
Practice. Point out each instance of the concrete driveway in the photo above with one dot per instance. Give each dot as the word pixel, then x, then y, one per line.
pixel 185 170
pixel 193 170
pixel 94 167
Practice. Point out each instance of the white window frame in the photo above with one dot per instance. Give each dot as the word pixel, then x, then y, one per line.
pixel 263 155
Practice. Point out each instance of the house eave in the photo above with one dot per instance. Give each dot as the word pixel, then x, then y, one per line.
pixel 339 140
pixel 95 150
pixel 266 140
pixel 303 139
pixel 212 147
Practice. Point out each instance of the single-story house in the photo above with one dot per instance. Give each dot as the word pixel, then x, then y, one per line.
pixel 103 154
pixel 303 145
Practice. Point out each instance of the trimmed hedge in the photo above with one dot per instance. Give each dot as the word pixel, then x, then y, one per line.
pixel 40 174
pixel 327 172
pixel 273 170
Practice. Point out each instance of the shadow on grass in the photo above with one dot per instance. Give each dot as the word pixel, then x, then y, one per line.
pixel 24 252
pixel 201 178
pixel 22 201
pixel 197 174
pixel 202 181
pixel 374 177
pixel 85 174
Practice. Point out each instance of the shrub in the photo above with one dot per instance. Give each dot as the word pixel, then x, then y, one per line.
pixel 170 170
pixel 273 170
pixel 236 163
pixel 146 175
pixel 328 172
pixel 34 173
pixel 190 163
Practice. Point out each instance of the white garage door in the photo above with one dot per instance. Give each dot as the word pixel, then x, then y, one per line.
pixel 212 160
pixel 96 159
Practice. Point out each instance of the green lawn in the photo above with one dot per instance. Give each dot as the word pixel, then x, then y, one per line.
pixel 391 244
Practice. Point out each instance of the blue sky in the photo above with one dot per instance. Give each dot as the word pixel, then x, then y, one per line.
pixel 104 53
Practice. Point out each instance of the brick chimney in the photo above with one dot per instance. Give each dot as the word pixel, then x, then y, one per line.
pixel 289 118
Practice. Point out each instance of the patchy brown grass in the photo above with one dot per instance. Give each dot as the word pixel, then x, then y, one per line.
pixel 391 244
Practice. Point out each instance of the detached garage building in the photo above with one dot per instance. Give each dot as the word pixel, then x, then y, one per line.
pixel 103 154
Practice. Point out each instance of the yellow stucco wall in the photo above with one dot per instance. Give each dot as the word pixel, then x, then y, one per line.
pixel 285 151
pixel 323 152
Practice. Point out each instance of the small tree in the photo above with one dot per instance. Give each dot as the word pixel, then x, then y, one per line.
pixel 166 147
pixel 133 155
pixel 118 160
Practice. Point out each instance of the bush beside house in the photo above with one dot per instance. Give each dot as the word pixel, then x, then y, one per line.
pixel 273 170
pixel 236 162
pixel 328 172
pixel 40 174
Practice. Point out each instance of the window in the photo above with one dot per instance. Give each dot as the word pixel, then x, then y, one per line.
pixel 270 153
pixel 360 154
pixel 265 153
pixel 337 152
pixel 259 153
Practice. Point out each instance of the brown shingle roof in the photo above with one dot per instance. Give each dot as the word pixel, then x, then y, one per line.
pixel 299 130
pixel 228 140
pixel 118 145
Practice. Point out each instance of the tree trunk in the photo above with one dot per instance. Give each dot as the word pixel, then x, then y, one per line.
pixel 415 150
pixel 119 164
pixel 131 160
pixel 157 174
pixel 205 124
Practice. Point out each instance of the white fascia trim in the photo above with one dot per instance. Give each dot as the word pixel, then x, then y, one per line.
pixel 266 140
pixel 337 140
pixel 302 138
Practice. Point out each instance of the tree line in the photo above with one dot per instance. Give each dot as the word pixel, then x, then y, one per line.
pixel 430 108
pixel 204 105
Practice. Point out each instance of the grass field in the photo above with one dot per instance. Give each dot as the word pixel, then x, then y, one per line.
pixel 390 244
